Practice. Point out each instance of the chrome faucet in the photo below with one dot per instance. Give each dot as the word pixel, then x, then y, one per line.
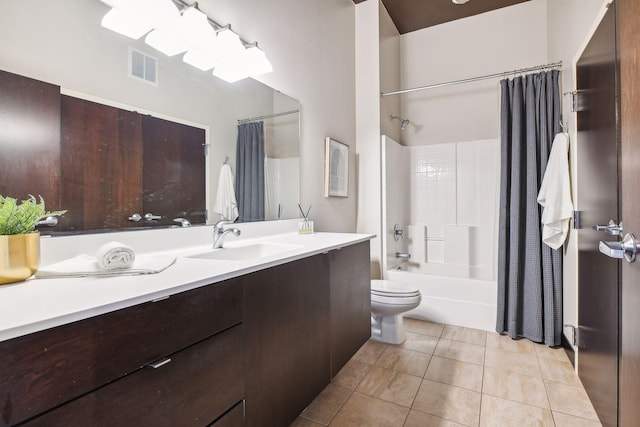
pixel 219 232
pixel 184 222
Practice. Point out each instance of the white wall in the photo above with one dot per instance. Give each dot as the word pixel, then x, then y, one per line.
pixel 368 127
pixel 310 44
pixel 505 39
pixel 570 25
pixel 389 74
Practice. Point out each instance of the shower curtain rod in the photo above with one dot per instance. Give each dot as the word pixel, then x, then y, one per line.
pixel 474 79
pixel 268 116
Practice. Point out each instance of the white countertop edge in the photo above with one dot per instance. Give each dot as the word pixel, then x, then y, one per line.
pixel 21 321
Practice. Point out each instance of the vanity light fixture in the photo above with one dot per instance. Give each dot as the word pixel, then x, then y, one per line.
pixel 206 44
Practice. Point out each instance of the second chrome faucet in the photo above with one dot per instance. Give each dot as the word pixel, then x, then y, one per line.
pixel 219 233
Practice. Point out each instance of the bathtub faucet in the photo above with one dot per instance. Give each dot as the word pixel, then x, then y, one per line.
pixel 403 255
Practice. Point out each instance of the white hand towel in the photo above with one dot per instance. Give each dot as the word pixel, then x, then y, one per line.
pixel 115 256
pixel 87 266
pixel 226 204
pixel 555 194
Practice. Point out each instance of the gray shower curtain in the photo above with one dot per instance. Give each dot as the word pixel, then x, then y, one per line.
pixel 529 272
pixel 250 172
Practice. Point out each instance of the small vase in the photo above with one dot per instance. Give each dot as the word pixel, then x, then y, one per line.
pixel 19 256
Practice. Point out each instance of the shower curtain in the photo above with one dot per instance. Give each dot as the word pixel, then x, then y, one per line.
pixel 529 272
pixel 250 176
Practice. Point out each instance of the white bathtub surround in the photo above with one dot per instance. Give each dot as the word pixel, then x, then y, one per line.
pixel 417 245
pixel 455 301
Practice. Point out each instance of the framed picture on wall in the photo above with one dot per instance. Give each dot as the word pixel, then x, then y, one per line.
pixel 336 169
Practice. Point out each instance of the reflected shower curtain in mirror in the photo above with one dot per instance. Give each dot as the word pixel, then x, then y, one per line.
pixel 250 172
pixel 529 272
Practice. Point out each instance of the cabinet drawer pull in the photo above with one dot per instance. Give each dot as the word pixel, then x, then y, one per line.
pixel 158 363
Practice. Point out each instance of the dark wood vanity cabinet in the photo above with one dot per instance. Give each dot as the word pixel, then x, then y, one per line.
pixel 254 350
pixel 350 298
pixel 302 322
pixel 53 367
pixel 286 331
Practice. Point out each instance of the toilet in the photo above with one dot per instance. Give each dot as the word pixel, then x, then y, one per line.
pixel 388 301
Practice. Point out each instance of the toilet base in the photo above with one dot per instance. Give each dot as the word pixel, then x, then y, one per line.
pixel 387 329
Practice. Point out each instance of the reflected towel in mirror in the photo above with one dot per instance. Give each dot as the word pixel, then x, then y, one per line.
pixel 226 204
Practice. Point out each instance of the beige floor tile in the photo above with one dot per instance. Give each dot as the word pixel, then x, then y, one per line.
pixel 505 343
pixel 423 327
pixel 418 342
pixel 506 413
pixel 516 387
pixel 559 371
pixel 369 352
pixel 461 351
pixel 468 335
pixel 570 400
pixel 420 419
pixel 363 410
pixel 407 361
pixel 351 374
pixel 546 352
pixel 303 422
pixel 393 386
pixel 564 420
pixel 455 372
pixel 448 402
pixel 518 363
pixel 327 404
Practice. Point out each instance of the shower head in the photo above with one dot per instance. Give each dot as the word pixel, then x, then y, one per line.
pixel 403 122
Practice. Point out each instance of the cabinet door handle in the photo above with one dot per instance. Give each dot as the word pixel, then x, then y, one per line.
pixel 159 363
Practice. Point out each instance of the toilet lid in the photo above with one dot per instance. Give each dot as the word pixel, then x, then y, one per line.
pixel 391 288
pixel 396 299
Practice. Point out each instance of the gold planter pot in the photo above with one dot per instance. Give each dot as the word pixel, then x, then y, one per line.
pixel 19 257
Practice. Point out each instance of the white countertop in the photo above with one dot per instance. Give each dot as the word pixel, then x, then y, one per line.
pixel 39 304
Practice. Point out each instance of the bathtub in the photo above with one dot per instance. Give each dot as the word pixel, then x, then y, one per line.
pixel 451 300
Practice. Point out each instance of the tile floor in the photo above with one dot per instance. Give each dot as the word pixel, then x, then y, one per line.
pixel 449 376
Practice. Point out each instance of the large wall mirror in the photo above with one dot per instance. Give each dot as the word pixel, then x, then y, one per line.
pixel 62 44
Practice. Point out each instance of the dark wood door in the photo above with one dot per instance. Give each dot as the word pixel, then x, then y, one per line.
pixel 350 303
pixel 29 139
pixel 173 172
pixel 598 200
pixel 629 60
pixel 286 339
pixel 101 174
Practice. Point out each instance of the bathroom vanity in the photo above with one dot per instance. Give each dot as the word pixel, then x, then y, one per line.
pixel 251 344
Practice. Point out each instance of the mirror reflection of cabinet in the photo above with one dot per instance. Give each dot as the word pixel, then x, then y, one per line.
pixel 101 163
pixel 116 163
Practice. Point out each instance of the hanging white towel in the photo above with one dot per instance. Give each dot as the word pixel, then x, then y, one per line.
pixel 555 194
pixel 226 204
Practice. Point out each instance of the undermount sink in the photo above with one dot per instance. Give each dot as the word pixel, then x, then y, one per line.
pixel 246 252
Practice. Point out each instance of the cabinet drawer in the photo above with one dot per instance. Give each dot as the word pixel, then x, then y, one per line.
pixel 233 418
pixel 198 385
pixel 45 369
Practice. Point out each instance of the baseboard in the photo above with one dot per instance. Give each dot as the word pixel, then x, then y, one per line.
pixel 568 348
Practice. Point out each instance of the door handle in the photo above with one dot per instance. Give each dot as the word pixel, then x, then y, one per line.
pixel 611 229
pixel 151 217
pixel 627 248
pixel 135 217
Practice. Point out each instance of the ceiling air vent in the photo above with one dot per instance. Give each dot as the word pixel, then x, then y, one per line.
pixel 142 66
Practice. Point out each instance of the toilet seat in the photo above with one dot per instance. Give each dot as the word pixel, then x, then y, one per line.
pixel 394 293
pixel 389 288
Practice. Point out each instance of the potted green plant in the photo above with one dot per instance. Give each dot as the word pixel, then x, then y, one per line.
pixel 19 240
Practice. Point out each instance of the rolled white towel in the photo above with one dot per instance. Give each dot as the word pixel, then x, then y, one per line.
pixel 115 256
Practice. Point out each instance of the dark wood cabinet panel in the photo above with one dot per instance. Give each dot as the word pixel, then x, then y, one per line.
pixel 29 138
pixel 196 386
pixel 286 330
pixel 45 369
pixel 233 418
pixel 175 184
pixel 101 168
pixel 350 303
